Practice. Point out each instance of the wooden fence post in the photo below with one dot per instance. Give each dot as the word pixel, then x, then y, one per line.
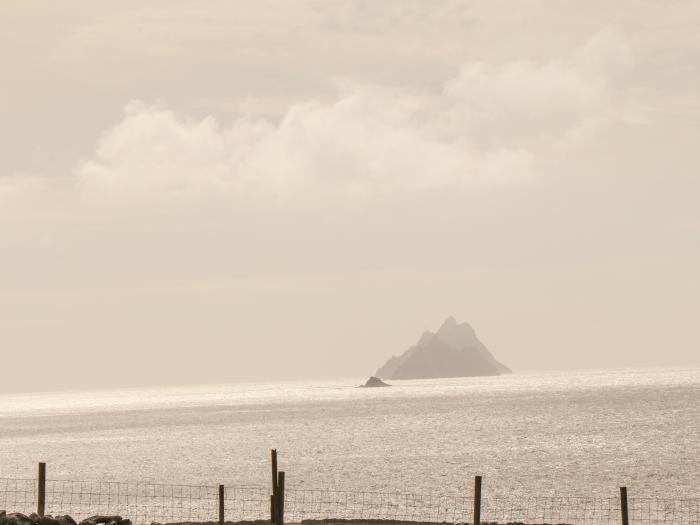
pixel 280 498
pixel 274 511
pixel 41 489
pixel 222 496
pixel 477 501
pixel 623 506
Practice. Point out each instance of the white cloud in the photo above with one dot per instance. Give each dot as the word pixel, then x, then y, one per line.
pixel 489 125
pixel 371 141
pixel 534 105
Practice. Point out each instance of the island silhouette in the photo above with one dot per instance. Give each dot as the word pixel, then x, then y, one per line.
pixel 453 351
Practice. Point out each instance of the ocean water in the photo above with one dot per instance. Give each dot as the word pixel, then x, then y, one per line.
pixel 559 433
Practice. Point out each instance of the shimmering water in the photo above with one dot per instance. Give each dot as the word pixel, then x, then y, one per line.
pixel 568 433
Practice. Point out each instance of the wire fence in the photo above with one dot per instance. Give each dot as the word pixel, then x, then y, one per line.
pixel 405 507
pixel 145 503
pixel 310 504
pixel 142 503
pixel 17 495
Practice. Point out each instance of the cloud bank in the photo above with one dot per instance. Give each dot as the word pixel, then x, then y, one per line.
pixel 488 125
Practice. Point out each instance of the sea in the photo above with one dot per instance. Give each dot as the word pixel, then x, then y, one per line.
pixel 568 433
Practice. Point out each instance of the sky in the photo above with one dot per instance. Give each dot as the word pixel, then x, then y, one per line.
pixel 255 191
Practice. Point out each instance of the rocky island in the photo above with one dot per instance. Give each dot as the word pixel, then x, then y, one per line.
pixel 452 351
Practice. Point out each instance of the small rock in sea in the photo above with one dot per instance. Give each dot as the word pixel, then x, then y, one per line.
pixel 373 382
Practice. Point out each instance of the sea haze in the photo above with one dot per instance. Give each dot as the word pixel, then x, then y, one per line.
pixel 580 433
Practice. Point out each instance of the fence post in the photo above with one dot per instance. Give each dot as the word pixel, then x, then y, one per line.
pixel 623 506
pixel 221 501
pixel 477 501
pixel 41 489
pixel 280 498
pixel 273 498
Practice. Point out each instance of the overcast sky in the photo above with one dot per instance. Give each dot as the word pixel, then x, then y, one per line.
pixel 197 192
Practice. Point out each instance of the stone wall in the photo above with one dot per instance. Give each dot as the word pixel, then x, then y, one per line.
pixel 17 518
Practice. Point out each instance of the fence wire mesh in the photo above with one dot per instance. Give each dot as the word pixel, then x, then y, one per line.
pixel 664 510
pixel 246 503
pixel 17 494
pixel 310 504
pixel 145 503
pixel 570 510
pixel 323 504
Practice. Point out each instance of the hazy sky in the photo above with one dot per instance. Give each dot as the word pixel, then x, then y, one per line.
pixel 221 191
